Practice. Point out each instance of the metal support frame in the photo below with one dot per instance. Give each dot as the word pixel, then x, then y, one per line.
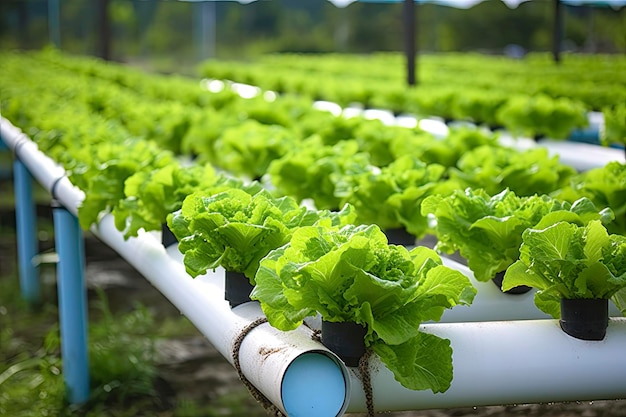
pixel 72 295
pixel 26 225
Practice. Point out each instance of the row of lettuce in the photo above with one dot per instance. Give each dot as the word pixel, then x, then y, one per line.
pixel 531 96
pixel 229 176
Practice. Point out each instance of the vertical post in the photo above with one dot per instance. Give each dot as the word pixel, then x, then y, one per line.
pixel 409 40
pixel 26 225
pixel 204 34
pixel 72 295
pixel 54 23
pixel 104 29
pixel 557 35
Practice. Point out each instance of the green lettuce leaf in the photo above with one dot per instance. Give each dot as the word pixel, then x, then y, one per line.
pixel 423 362
pixel 565 260
pixel 235 228
pixel 152 195
pixel 487 230
pixel 391 197
pixel 605 187
pixel 526 173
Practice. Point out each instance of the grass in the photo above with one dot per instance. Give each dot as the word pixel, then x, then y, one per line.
pixel 124 373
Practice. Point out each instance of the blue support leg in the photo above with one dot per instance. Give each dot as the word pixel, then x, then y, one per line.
pixel 69 243
pixel 25 219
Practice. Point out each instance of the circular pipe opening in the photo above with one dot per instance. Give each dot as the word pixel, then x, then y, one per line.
pixel 315 384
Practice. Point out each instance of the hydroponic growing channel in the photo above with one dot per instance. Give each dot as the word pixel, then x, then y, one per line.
pixel 286 366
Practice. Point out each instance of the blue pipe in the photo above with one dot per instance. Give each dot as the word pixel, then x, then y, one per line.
pixel 72 295
pixel 25 220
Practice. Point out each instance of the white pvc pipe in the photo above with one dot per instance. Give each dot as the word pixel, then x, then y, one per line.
pixel 11 135
pixel 42 168
pixel 268 356
pixel 582 156
pixel 491 304
pixel 284 366
pixel 512 362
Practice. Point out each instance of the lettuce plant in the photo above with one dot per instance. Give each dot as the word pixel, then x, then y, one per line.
pixel 526 173
pixel 391 197
pixel 565 260
pixel 605 186
pixel 351 274
pixel 445 151
pixel 235 229
pixel 614 125
pixel 152 194
pixel 104 169
pixel 312 170
pixel 249 148
pixel 542 115
pixel 487 230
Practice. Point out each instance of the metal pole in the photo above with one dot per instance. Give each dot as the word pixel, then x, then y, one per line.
pixel 54 22
pixel 72 295
pixel 557 35
pixel 409 40
pixel 204 23
pixel 26 224
pixel 104 29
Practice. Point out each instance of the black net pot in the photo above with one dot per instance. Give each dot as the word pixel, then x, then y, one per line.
pixel 167 237
pixel 345 339
pixel 585 318
pixel 521 289
pixel 399 236
pixel 237 288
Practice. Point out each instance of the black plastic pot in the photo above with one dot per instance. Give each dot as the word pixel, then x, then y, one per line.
pixel 345 339
pixel 399 236
pixel 167 237
pixel 522 289
pixel 585 318
pixel 237 288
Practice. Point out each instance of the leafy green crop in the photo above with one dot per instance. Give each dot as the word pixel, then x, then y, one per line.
pixel 565 260
pixel 487 230
pixel 151 195
pixel 312 170
pixel 249 148
pixel 103 169
pixel 605 186
pixel 614 125
pixel 391 197
pixel 526 173
pixel 542 115
pixel 235 228
pixel 351 274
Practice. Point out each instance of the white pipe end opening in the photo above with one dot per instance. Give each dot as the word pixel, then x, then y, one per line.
pixel 315 385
